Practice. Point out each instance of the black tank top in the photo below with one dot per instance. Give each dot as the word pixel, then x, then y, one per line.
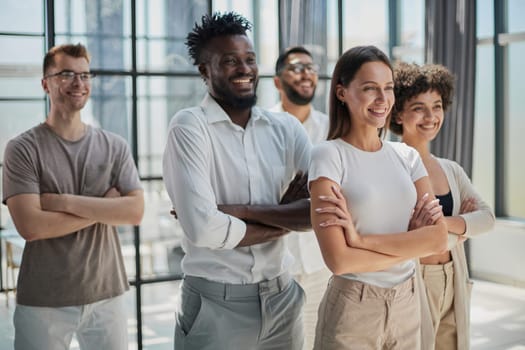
pixel 447 202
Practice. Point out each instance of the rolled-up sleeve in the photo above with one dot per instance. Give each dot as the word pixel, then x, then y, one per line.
pixel 186 175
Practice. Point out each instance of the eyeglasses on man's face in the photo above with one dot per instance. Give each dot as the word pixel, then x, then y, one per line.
pixel 67 76
pixel 297 68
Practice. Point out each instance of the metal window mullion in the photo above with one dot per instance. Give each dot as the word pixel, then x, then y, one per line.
pixel 500 112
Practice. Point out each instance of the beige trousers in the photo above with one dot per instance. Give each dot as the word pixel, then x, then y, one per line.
pixel 314 286
pixel 439 284
pixel 355 315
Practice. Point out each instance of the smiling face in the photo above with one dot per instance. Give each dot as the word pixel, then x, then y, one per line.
pixel 370 95
pixel 299 87
pixel 230 71
pixel 67 96
pixel 422 117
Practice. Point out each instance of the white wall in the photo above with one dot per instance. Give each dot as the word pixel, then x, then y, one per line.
pixel 499 255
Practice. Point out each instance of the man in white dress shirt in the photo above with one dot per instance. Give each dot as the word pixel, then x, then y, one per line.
pixel 227 166
pixel 296 79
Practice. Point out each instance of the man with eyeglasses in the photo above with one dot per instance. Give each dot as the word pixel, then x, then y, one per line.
pixel 296 79
pixel 67 185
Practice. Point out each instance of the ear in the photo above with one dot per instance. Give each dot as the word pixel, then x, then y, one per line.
pixel 203 71
pixel 399 118
pixel 340 92
pixel 277 82
pixel 43 82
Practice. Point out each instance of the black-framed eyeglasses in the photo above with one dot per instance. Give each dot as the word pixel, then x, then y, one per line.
pixel 297 68
pixel 69 76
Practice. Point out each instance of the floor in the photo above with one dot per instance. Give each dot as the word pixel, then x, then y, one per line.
pixel 498 317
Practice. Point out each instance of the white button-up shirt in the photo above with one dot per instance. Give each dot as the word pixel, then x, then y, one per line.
pixel 209 160
pixel 303 245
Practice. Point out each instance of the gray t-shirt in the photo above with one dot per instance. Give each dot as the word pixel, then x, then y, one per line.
pixel 379 191
pixel 85 266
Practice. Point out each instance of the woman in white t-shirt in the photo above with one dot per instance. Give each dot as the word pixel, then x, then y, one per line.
pixel 363 192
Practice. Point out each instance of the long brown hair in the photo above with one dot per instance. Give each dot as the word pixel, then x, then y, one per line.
pixel 344 72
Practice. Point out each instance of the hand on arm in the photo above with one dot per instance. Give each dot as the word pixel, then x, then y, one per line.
pixel 332 226
pixel 426 212
pixel 112 209
pixel 456 224
pixel 419 242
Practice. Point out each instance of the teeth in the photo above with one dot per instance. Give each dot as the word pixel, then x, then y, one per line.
pixel 428 126
pixel 241 81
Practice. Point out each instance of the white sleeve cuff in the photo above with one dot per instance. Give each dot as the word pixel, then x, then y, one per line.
pixel 236 232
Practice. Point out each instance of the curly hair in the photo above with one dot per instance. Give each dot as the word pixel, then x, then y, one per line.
pixel 212 26
pixel 411 80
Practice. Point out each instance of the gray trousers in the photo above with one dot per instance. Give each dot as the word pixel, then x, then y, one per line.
pixel 259 316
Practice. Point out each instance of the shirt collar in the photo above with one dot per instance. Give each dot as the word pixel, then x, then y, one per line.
pixel 214 112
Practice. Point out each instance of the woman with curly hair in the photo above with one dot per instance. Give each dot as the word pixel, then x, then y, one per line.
pixel 423 94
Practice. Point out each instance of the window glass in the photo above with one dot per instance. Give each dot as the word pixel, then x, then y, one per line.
pixel 516 10
pixel 17 117
pixel 162 27
pixel 365 23
pixel 332 41
pixel 412 32
pixel 160 235
pixel 22 16
pixel 483 175
pixel 21 86
pixel 21 53
pixel 159 98
pixel 102 25
pixel 110 105
pixel 485 18
pixel 483 157
pixel 266 30
pixel 515 169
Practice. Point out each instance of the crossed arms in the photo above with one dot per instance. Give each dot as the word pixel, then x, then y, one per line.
pixel 347 251
pixel 51 215
pixel 266 223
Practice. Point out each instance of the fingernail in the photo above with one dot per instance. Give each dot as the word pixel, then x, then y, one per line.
pixel 425 195
pixel 322 197
pixel 318 209
pixel 322 224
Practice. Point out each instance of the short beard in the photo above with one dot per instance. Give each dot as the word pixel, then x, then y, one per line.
pixel 242 102
pixel 295 97
pixel 228 98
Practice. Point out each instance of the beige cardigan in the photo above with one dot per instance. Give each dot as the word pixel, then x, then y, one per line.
pixel 477 222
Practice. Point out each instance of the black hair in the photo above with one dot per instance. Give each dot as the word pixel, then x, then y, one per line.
pixel 410 80
pixel 212 26
pixel 281 60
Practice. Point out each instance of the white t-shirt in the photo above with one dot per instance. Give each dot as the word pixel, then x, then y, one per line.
pixel 209 160
pixel 379 190
pixel 303 245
